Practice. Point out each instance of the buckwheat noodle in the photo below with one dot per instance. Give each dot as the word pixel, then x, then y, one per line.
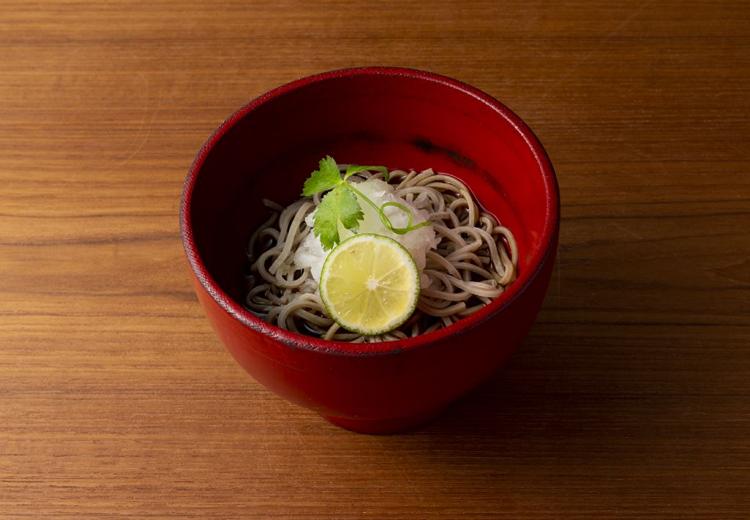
pixel 475 259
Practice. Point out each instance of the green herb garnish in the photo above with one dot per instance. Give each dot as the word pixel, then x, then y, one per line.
pixel 341 204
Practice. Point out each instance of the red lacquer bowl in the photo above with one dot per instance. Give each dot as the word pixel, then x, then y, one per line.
pixel 396 117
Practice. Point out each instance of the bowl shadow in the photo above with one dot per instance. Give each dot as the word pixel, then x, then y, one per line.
pixel 568 403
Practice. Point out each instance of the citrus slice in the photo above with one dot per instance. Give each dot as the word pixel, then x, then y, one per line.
pixel 369 284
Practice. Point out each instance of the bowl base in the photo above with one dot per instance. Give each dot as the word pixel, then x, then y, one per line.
pixel 383 426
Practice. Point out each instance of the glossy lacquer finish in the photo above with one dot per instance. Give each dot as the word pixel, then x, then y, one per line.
pixel 396 117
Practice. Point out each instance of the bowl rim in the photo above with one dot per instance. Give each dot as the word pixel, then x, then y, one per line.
pixel 299 341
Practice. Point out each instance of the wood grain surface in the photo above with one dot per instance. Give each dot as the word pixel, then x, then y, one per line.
pixel 630 398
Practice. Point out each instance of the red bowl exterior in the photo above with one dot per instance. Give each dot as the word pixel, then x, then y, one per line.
pixel 395 385
pixel 381 393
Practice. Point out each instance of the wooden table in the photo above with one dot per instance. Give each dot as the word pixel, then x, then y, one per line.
pixel 631 397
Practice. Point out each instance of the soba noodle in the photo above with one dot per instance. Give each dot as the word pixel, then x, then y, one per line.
pixel 474 261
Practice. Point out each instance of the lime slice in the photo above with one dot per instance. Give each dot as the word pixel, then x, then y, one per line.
pixel 369 284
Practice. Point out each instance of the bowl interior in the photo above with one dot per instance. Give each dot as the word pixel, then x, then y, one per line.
pixel 398 120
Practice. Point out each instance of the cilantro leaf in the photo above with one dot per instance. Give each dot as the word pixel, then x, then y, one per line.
pixel 326 177
pixel 342 202
pixel 340 205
